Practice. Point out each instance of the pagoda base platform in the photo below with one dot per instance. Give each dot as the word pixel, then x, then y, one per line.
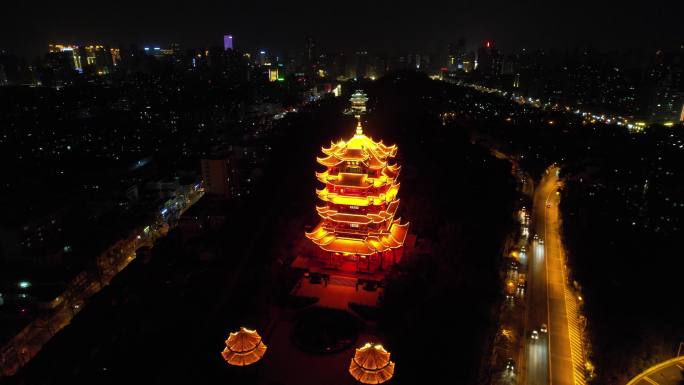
pixel 336 288
pixel 348 269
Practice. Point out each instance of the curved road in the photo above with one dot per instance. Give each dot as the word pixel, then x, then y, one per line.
pixel 670 372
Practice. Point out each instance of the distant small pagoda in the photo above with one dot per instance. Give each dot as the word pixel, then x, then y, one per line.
pixel 358 104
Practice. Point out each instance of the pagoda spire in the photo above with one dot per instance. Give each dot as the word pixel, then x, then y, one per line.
pixel 359 129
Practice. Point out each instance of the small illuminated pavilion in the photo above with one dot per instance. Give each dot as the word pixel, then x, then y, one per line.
pixel 358 103
pixel 243 348
pixel 371 364
pixel 358 231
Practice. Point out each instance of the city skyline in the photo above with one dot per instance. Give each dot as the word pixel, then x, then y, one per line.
pixel 385 27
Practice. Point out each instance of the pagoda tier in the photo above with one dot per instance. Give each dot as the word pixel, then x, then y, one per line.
pixel 377 179
pixel 384 216
pixel 360 243
pixel 343 195
pixel 360 196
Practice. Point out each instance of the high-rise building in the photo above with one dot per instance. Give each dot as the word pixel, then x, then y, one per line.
pixel 361 64
pixel 484 58
pixel 273 73
pixel 3 76
pixel 379 66
pixel 166 53
pixel 227 42
pixel 516 81
pixel 310 60
pixel 262 58
pixel 95 57
pixel 70 51
pixel 468 62
pixel 217 175
pixel 667 77
pixel 455 54
pixel 115 53
pixel 310 54
pixel 339 65
pixel 11 69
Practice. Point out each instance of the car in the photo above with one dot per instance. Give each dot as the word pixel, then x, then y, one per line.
pixel 510 365
pixel 536 236
pixel 541 241
pixel 534 335
pixel 548 205
pixel 543 328
pixel 522 281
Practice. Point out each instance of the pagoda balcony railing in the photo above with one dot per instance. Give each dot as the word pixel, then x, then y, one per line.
pixel 355 233
pixel 335 172
pixel 357 210
pixel 361 230
pixel 357 192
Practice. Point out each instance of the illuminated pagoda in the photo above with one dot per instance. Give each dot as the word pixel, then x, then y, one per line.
pixel 358 231
pixel 358 103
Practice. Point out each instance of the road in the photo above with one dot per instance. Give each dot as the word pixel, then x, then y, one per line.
pixel 556 357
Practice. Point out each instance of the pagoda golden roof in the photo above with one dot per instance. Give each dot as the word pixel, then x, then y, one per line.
pixel 391 171
pixel 359 148
pixel 370 243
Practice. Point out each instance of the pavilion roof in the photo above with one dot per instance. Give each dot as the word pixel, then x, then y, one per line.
pixel 243 347
pixel 371 364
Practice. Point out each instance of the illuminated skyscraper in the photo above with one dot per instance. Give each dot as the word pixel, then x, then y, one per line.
pixel 455 54
pixel 71 51
pixel 227 42
pixel 95 56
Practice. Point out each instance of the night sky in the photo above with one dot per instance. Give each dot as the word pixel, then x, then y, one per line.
pixel 388 26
